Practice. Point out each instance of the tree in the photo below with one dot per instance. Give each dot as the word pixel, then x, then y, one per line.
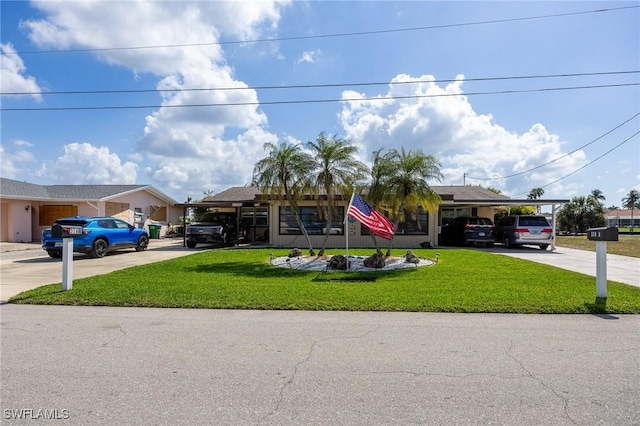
pixel 536 194
pixel 337 172
pixel 597 196
pixel 581 214
pixel 631 201
pixel 404 183
pixel 285 174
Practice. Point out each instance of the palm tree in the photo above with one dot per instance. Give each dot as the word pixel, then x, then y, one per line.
pixel 284 174
pixel 377 195
pixel 337 172
pixel 581 213
pixel 405 183
pixel 631 201
pixel 597 196
pixel 536 194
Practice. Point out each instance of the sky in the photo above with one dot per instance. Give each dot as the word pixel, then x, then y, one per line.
pixel 184 95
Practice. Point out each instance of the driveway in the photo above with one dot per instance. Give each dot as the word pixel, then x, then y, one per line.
pixel 26 266
pixel 622 269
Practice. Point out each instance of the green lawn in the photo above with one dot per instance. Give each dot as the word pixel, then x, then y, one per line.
pixel 463 281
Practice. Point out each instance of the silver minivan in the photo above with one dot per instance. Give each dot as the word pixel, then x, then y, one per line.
pixel 518 230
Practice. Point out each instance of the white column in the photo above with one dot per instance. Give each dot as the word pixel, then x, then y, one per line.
pixel 601 269
pixel 67 264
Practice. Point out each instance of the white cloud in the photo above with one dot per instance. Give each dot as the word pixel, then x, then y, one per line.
pixel 310 57
pixel 12 74
pixel 189 148
pixel 442 122
pixel 83 163
pixel 15 162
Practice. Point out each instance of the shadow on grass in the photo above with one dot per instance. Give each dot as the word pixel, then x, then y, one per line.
pixel 249 269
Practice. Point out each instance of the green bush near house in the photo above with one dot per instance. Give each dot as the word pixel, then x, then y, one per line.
pixel 462 281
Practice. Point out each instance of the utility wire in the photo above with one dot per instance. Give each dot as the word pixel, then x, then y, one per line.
pixel 314 86
pixel 589 163
pixel 352 34
pixel 559 158
pixel 314 101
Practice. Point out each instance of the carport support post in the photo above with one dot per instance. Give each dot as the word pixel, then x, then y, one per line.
pixel 67 264
pixel 601 269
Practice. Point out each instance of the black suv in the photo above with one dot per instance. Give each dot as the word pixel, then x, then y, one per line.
pixel 465 230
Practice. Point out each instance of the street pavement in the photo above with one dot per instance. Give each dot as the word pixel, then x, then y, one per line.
pixel 130 366
pixel 143 366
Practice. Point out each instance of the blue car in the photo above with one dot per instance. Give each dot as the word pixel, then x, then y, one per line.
pixel 99 236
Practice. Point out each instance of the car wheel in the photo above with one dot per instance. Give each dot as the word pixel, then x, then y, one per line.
pixel 143 243
pixel 100 247
pixel 54 254
pixel 489 245
pixel 544 246
pixel 507 242
pixel 191 244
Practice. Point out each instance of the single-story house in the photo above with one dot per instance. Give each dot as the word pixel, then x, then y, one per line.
pixel 623 218
pixel 265 219
pixel 26 209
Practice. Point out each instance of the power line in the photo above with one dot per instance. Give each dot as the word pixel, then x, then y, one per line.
pixel 351 34
pixel 559 158
pixel 315 101
pixel 324 85
pixel 589 163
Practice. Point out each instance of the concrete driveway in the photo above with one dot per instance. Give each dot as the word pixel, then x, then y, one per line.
pixel 26 266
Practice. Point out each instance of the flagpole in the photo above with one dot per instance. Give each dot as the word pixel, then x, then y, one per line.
pixel 346 228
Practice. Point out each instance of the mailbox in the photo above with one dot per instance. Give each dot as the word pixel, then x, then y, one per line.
pixel 606 233
pixel 65 231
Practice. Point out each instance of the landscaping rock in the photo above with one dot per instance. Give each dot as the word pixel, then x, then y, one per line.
pixel 295 253
pixel 410 257
pixel 338 262
pixel 375 261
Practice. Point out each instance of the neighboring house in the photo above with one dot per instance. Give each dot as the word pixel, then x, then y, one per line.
pixel 622 218
pixel 265 219
pixel 26 209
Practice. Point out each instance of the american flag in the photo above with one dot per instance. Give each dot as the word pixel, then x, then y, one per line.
pixel 363 212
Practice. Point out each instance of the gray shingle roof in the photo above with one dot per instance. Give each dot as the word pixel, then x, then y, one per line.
pixel 17 189
pixel 236 194
pixel 468 193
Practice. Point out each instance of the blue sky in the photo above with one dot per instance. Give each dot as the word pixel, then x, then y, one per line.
pixel 435 69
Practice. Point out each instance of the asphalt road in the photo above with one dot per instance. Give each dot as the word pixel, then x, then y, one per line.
pixel 107 366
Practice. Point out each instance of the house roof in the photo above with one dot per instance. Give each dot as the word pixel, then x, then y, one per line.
pixel 28 191
pixel 237 194
pixel 622 214
pixel 450 195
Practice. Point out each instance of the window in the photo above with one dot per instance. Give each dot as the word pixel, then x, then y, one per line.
pixel 312 221
pixel 254 216
pixel 413 224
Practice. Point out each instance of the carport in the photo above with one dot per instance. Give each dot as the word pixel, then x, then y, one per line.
pixel 555 204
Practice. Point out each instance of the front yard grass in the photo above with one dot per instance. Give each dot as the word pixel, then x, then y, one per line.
pixel 463 281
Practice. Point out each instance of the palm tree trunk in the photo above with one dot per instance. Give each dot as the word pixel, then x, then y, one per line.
pixel 395 224
pixel 294 207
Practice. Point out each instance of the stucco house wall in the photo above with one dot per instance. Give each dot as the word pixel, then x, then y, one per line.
pixel 27 209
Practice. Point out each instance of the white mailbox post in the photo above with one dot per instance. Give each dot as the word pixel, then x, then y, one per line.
pixel 67 233
pixel 601 236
